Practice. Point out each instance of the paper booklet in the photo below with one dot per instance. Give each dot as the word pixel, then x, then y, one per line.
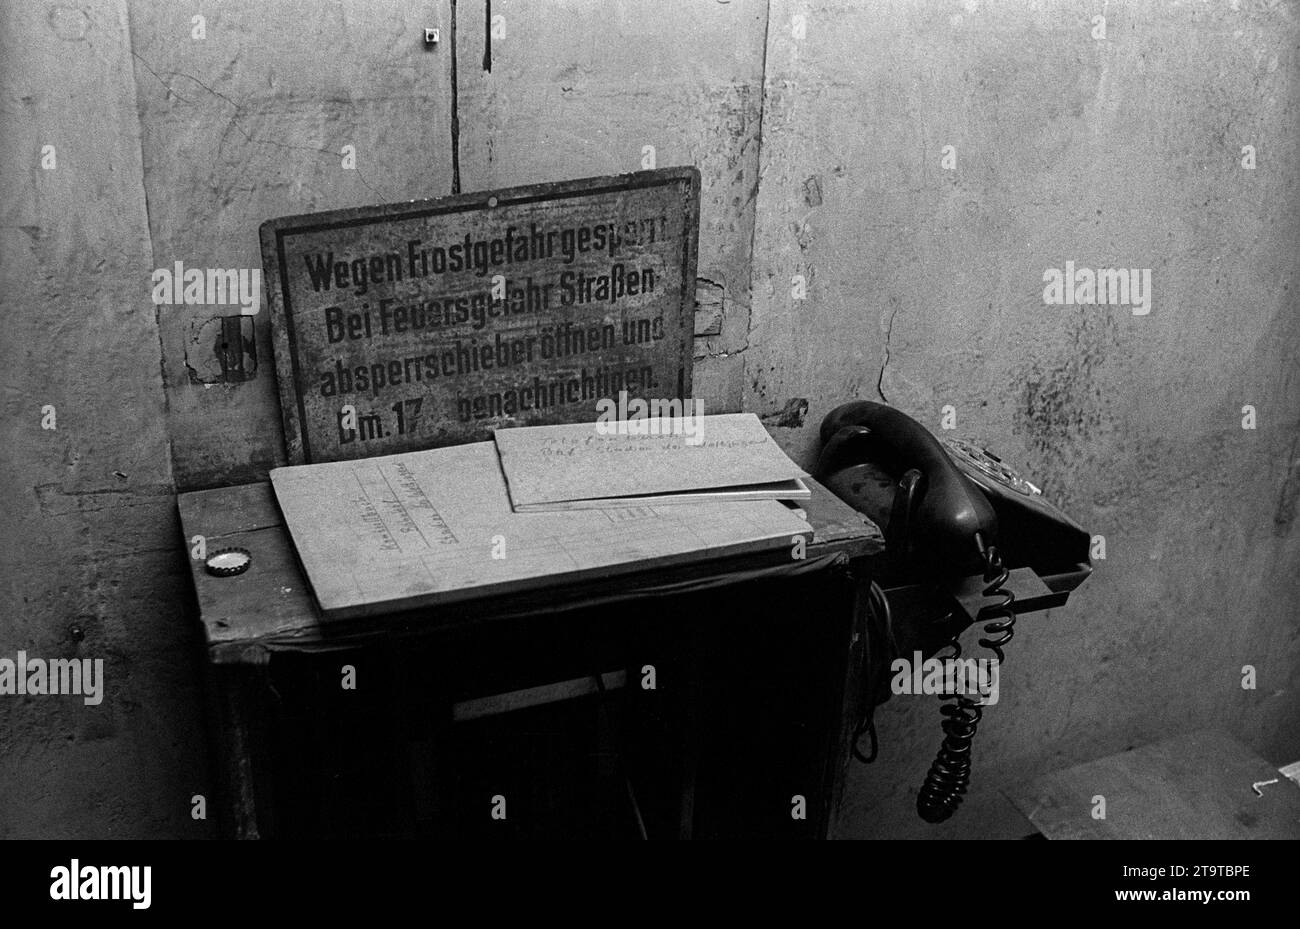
pixel 376 535
pixel 728 456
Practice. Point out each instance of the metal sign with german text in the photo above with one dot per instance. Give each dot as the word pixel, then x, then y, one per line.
pixel 416 325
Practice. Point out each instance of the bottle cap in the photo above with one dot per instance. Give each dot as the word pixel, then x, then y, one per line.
pixel 227 562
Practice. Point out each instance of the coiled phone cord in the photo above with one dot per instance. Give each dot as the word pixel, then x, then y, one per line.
pixel 949 776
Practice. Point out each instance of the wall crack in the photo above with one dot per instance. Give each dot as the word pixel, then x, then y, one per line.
pixel 884 363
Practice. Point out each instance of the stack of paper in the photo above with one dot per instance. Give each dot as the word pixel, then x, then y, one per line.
pixel 423 528
pixel 589 465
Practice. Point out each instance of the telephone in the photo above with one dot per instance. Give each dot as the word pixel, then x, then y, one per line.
pixel 959 521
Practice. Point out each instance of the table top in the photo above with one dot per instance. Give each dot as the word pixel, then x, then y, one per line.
pixel 270 607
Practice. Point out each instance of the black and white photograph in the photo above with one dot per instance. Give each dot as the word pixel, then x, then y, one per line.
pixel 456 422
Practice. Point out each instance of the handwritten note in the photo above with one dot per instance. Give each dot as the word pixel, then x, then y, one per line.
pixel 548 465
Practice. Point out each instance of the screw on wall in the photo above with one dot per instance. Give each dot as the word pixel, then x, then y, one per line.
pixel 432 37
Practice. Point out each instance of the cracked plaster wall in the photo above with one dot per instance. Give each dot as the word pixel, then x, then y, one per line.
pixel 925 289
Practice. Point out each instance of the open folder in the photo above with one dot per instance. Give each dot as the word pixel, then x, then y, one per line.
pixel 728 456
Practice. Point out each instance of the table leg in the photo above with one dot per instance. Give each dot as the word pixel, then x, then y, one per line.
pixel 238 696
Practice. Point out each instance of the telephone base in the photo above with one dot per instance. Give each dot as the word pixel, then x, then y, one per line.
pixel 1031 593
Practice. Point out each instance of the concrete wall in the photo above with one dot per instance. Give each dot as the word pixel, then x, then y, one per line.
pixel 926 289
pixel 819 130
pixel 571 94
pixel 90 560
pixel 250 123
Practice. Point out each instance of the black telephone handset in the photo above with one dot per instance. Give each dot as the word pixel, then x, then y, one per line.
pixel 945 519
pixel 942 520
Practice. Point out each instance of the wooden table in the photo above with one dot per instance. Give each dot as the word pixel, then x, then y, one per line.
pixel 269 609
